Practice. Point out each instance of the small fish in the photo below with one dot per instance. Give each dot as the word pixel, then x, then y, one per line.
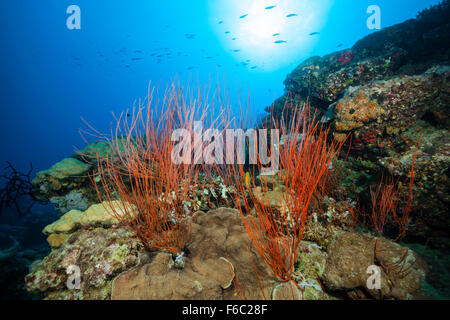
pixel 398 54
pixel 233 39
pixel 291 15
pixel 221 21
pixel 247 180
pixel 269 7
pixel 280 41
pixel 275 34
pixel 227 32
pixel 237 50
pixel 243 16
pixel 190 36
pixel 254 67
pixel 339 45
pixel 314 33
pixel 209 57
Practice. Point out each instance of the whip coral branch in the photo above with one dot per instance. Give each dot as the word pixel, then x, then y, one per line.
pixel 305 157
pixel 154 190
pixel 385 200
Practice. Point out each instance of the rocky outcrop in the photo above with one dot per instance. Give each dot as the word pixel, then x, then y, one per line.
pixel 65 174
pixel 74 200
pixel 386 109
pixel 387 92
pixel 408 48
pixel 68 185
pixel 98 254
pixel 219 262
pixel 217 257
pixel 402 271
pixel 98 215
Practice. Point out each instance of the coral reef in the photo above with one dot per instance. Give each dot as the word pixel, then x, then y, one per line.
pixel 219 263
pixel 294 235
pixel 74 200
pixel 100 254
pixel 98 215
pixel 388 91
pixel 65 174
pixel 402 270
pixel 217 255
pixel 64 184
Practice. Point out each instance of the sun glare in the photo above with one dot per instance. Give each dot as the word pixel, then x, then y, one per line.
pixel 265 35
pixel 258 27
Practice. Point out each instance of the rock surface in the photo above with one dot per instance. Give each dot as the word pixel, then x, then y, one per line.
pixel 387 92
pixel 65 174
pixel 100 254
pixel 216 258
pixel 98 215
pixel 402 270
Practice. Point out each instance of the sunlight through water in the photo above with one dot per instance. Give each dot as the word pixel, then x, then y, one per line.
pixel 266 35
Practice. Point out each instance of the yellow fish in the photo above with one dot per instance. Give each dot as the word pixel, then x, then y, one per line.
pixel 247 180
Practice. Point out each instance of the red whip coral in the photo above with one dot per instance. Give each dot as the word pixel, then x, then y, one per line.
pixel 385 200
pixel 140 170
pixel 346 57
pixel 276 233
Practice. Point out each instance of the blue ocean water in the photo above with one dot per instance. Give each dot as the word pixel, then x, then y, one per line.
pixel 51 76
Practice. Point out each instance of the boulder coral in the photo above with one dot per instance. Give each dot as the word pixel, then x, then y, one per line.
pixel 402 271
pixel 97 215
pixel 217 262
